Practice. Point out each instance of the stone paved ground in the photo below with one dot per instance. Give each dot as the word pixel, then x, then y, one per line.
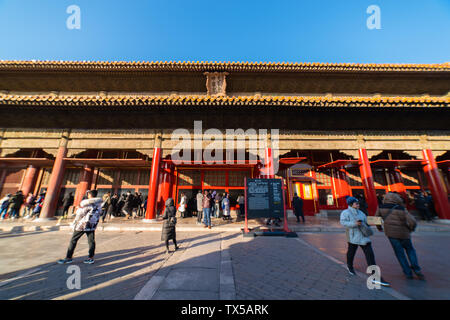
pixel 260 268
pixel 287 269
pixel 433 252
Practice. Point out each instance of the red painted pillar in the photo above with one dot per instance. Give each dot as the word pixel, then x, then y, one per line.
pixel 268 170
pixel 84 185
pixel 436 185
pixel 368 182
pixel 342 187
pixel 153 185
pixel 54 185
pixel 29 181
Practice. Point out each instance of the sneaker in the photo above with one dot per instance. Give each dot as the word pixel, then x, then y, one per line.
pixel 351 271
pixel 209 227
pixel 176 248
pixel 420 275
pixel 65 261
pixel 409 276
pixel 89 261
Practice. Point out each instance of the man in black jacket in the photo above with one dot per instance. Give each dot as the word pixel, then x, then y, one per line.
pixel 297 203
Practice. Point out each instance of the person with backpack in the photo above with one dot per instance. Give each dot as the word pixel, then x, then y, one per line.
pixel 170 221
pixel 4 204
pixel 86 221
pixel 398 225
pixel 29 203
pixel 128 205
pixel 358 235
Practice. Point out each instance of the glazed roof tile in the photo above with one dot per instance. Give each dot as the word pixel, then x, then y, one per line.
pixel 147 100
pixel 17 65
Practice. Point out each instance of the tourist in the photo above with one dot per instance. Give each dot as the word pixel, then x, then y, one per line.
pixel 199 206
pixel 354 220
pixel 86 221
pixel 170 221
pixel 128 205
pixel 67 202
pixel 112 208
pixel 213 207
pixel 207 204
pixel 297 203
pixel 15 203
pixel 29 203
pixel 217 206
pixel 398 225
pixel 226 207
pixel 182 206
pixel 362 204
pixel 38 206
pixel 421 206
pixel 140 200
pixel 241 201
pixel 106 203
pixel 4 204
pixel 430 205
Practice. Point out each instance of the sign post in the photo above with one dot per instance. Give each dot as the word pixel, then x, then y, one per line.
pixel 265 198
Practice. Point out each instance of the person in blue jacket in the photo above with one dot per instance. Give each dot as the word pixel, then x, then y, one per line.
pixel 352 218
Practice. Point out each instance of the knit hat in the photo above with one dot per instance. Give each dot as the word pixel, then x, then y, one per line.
pixel 351 200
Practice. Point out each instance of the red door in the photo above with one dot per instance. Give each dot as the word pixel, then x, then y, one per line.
pixel 305 191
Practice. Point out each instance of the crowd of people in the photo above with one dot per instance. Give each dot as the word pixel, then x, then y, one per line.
pixel 207 205
pixel 11 204
pixel 127 205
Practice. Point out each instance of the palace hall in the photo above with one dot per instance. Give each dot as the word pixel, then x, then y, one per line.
pixel 328 130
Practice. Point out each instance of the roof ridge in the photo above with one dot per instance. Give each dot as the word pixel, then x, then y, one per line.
pixel 225 65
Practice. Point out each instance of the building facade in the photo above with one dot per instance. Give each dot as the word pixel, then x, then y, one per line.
pixel 162 128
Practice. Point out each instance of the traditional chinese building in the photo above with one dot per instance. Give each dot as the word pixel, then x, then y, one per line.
pixel 344 129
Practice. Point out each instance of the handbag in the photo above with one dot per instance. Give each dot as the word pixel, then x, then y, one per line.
pixel 365 229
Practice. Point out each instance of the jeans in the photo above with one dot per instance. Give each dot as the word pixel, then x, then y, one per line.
pixel 14 213
pixel 73 243
pixel 3 212
pixel 207 216
pixel 399 246
pixel 199 216
pixel 368 252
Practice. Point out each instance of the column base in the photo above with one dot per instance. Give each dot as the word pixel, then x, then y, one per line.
pixel 150 220
pixel 44 219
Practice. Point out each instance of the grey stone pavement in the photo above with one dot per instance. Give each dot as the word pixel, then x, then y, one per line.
pixel 209 266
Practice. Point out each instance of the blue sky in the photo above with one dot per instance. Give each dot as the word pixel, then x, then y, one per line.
pixel 414 31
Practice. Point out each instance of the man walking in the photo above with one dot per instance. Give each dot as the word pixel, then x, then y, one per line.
pixel 207 204
pixel 86 221
pixel 14 204
pixel 199 206
pixel 398 225
pixel 67 202
pixel 297 203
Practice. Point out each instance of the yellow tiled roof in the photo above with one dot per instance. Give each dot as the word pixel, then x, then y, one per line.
pixel 215 66
pixel 144 100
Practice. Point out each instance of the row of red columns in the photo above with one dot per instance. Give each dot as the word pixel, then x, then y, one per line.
pixel 161 190
pixel 431 170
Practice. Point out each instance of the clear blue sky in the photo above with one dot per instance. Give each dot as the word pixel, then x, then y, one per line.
pixel 413 31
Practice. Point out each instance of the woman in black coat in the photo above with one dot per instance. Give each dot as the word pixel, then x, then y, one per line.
pixel 168 228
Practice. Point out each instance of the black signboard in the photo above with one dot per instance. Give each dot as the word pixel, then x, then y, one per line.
pixel 264 198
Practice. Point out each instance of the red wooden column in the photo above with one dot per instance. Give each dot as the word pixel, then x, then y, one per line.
pixel 343 188
pixel 436 185
pixel 84 185
pixel 368 182
pixel 268 170
pixel 30 180
pixel 153 185
pixel 54 185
